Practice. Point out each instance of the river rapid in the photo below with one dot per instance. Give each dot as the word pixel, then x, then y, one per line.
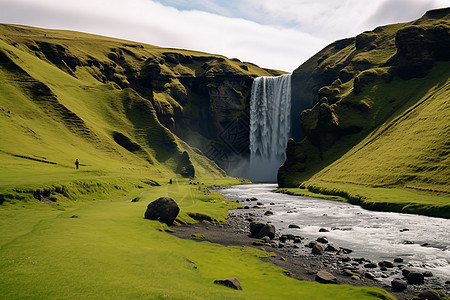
pixel 422 242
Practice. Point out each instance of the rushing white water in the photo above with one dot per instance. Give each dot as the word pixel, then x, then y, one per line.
pixel 423 242
pixel 270 122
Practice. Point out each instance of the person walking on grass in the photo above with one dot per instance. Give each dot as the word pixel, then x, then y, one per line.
pixel 77 163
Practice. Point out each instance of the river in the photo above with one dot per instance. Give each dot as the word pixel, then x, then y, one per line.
pixel 422 242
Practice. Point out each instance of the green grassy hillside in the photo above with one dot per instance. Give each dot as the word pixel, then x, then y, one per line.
pixel 116 106
pixel 381 118
pixel 67 95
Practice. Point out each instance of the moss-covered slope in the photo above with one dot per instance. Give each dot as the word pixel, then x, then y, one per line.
pixel 114 104
pixel 382 112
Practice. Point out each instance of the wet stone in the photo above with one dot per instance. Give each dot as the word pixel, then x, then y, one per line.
pixel 398 285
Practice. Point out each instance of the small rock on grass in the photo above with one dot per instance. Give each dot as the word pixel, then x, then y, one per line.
pixel 192 263
pixel 231 282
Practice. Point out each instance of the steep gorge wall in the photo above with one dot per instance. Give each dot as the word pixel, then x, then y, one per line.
pixel 358 84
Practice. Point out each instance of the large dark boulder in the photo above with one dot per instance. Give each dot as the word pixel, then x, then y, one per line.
pixel 267 230
pixel 255 227
pixel 163 209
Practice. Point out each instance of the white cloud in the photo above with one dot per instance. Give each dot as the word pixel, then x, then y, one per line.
pixel 153 23
pixel 269 33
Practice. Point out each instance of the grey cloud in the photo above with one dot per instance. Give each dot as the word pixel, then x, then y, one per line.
pixel 396 11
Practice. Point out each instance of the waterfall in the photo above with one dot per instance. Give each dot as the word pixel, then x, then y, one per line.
pixel 270 124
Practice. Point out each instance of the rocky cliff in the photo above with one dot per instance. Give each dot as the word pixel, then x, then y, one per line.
pixel 360 84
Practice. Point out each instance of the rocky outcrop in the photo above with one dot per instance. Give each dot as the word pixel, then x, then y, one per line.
pixel 343 85
pixel 185 167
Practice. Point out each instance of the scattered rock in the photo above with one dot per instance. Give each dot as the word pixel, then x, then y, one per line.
pixel 323 230
pixel 430 295
pixel 406 271
pixel 355 277
pixel 268 213
pixel 331 248
pixel 135 199
pixel 267 230
pixel 369 275
pixel 403 230
pixel 398 260
pixel 255 227
pixel 427 274
pixel 398 285
pixel 294 226
pixel 325 277
pixel 415 278
pixel 346 259
pixel 322 240
pixel 229 282
pixel 344 251
pixel 163 209
pixel 74 216
pixel 266 239
pixel 347 272
pixel 370 266
pixel 386 264
pixel 297 240
pixel 318 248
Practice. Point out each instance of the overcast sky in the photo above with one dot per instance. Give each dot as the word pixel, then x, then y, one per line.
pixel 271 33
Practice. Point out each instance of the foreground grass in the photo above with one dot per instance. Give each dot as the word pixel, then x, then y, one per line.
pixel 377 198
pixel 111 252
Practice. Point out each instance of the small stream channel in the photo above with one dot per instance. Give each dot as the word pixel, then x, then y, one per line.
pixel 422 242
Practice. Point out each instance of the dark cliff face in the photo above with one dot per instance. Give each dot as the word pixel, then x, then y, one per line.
pixel 349 86
pixel 202 98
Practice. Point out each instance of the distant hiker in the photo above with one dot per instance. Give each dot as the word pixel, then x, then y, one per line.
pixel 77 163
pixel 170 181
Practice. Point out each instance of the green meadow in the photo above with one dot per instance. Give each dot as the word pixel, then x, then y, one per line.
pixel 111 252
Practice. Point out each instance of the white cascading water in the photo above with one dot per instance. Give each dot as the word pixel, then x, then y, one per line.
pixel 270 124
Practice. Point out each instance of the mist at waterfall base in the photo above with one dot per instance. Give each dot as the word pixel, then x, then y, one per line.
pixel 270 124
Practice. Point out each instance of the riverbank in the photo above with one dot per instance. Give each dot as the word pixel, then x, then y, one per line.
pixel 378 198
pixel 294 257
